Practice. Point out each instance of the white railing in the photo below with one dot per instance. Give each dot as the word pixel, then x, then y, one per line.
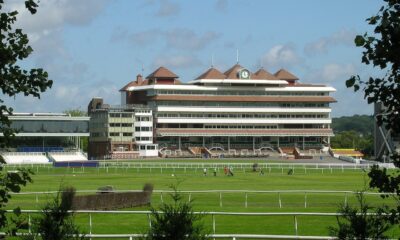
pixel 213 215
pixel 220 194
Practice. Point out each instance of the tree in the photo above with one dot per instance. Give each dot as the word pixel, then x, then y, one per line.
pixel 381 49
pixel 75 112
pixel 56 220
pixel 14 80
pixel 362 222
pixel 176 221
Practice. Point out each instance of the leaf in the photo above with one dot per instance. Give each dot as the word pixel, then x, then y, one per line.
pixel 350 82
pixel 17 211
pixel 359 40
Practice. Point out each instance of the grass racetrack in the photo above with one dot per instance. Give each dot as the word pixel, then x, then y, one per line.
pixel 192 179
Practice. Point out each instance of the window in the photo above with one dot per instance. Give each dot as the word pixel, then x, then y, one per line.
pixel 137 129
pixel 146 129
pixel 142 147
pixel 114 134
pixel 126 134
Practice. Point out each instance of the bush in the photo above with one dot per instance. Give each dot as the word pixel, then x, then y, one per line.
pixel 55 221
pixel 176 221
pixel 362 222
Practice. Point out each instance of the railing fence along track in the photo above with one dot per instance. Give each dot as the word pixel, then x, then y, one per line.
pixel 213 215
pixel 219 166
pixel 220 194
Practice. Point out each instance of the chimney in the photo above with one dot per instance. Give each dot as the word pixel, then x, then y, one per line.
pixel 139 79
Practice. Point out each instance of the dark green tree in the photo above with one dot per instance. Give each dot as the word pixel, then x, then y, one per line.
pixel 176 221
pixel 14 48
pixel 15 80
pixel 56 220
pixel 361 222
pixel 381 50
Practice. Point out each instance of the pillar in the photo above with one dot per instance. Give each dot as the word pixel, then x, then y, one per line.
pixel 179 142
pixel 278 141
pixel 303 143
pixel 204 142
pixel 254 143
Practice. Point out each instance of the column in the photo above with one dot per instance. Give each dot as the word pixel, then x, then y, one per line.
pixel 204 142
pixel 179 142
pixel 254 143
pixel 278 141
pixel 303 143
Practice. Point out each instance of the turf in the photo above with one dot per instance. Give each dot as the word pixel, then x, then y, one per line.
pixel 50 179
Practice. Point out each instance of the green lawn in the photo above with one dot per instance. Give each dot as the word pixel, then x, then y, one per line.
pixel 50 179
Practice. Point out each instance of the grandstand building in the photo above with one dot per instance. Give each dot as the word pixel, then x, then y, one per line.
pixel 45 138
pixel 235 109
pixel 120 132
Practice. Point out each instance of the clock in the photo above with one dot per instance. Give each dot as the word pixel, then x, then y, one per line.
pixel 244 74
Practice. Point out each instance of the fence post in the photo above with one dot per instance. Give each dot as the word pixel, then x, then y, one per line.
pixel 190 196
pixel 149 218
pixel 220 199
pixel 213 219
pixel 246 201
pixel 90 223
pixel 295 224
pixel 37 198
pixel 345 199
pixel 161 197
pixel 280 201
pixel 29 223
pixel 305 199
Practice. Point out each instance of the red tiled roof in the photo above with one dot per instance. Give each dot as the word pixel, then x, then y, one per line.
pixel 285 75
pixel 162 72
pixel 212 73
pixel 134 84
pixel 263 74
pixel 244 98
pixel 231 73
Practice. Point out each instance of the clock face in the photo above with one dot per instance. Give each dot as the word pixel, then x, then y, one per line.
pixel 244 74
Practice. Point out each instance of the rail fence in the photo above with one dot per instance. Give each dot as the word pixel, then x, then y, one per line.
pixel 220 194
pixel 220 165
pixel 213 215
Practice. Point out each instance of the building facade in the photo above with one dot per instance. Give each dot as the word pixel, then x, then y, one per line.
pixel 120 132
pixel 237 109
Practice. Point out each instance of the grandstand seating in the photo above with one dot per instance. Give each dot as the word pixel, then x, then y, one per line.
pixel 40 149
pixel 24 157
pixel 67 156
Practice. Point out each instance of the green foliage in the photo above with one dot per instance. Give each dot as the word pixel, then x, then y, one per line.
pixel 361 124
pixel 11 182
pixel 55 221
pixel 13 79
pixel 76 112
pixel 176 221
pixel 352 139
pixel 362 222
pixel 354 132
pixel 381 49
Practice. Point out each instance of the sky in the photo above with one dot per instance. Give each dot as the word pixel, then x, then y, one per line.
pixel 92 48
